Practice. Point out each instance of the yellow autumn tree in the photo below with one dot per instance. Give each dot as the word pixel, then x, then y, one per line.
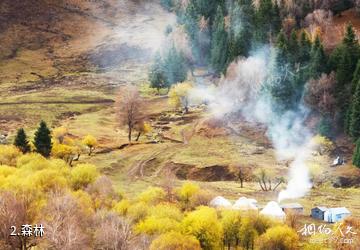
pixel 59 134
pixel 90 142
pixel 186 192
pixel 82 175
pixel 152 195
pixel 175 241
pixel 279 237
pixel 64 151
pixel 179 96
pixel 203 223
pixel 161 219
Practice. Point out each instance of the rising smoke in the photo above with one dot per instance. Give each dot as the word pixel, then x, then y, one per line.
pixel 244 91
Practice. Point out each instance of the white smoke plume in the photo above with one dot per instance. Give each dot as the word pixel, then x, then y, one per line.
pixel 241 92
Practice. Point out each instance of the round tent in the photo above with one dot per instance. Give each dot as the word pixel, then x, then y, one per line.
pixel 273 209
pixel 244 203
pixel 220 201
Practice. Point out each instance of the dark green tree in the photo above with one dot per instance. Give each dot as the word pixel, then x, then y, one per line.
pixel 354 127
pixel 318 59
pixel 276 21
pixel 174 67
pixel 356 155
pixel 344 60
pixel 42 140
pixel 356 77
pixel 157 75
pixel 219 47
pixel 305 48
pixel 293 55
pixel 21 141
pixel 263 17
pixel 240 35
pixel 282 46
pixel 167 4
pixel 324 127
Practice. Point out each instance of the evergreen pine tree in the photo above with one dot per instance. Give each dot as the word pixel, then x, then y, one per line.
pixel 219 47
pixel 305 48
pixel 275 19
pixel 354 127
pixel 240 34
pixel 344 60
pixel 21 141
pixel 318 59
pixel 356 77
pixel 282 48
pixel 263 20
pixel 293 55
pixel 42 140
pixel 324 127
pixel 156 75
pixel 174 67
pixel 356 155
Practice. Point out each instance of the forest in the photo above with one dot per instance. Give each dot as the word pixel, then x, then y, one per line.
pixel 156 124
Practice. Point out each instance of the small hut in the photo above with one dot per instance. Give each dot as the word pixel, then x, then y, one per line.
pixel 293 207
pixel 336 214
pixel 318 212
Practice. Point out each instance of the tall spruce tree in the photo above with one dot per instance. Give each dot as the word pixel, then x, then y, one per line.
pixel 157 75
pixel 356 77
pixel 344 60
pixel 293 55
pixel 318 59
pixel 42 140
pixel 219 47
pixel 305 48
pixel 174 67
pixel 282 46
pixel 240 34
pixel 356 155
pixel 354 127
pixel 263 18
pixel 21 141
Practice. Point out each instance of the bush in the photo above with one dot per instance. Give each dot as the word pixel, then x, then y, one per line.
pixel 49 180
pixel 122 207
pixel 152 195
pixel 82 175
pixel 8 155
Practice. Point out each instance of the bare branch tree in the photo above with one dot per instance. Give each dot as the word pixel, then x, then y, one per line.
pixel 13 212
pixel 65 223
pixel 129 107
pixel 112 231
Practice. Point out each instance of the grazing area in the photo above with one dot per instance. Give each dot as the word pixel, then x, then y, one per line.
pixel 187 125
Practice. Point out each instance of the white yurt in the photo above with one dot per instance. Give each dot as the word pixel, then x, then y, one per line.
pixel 244 203
pixel 272 209
pixel 220 202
